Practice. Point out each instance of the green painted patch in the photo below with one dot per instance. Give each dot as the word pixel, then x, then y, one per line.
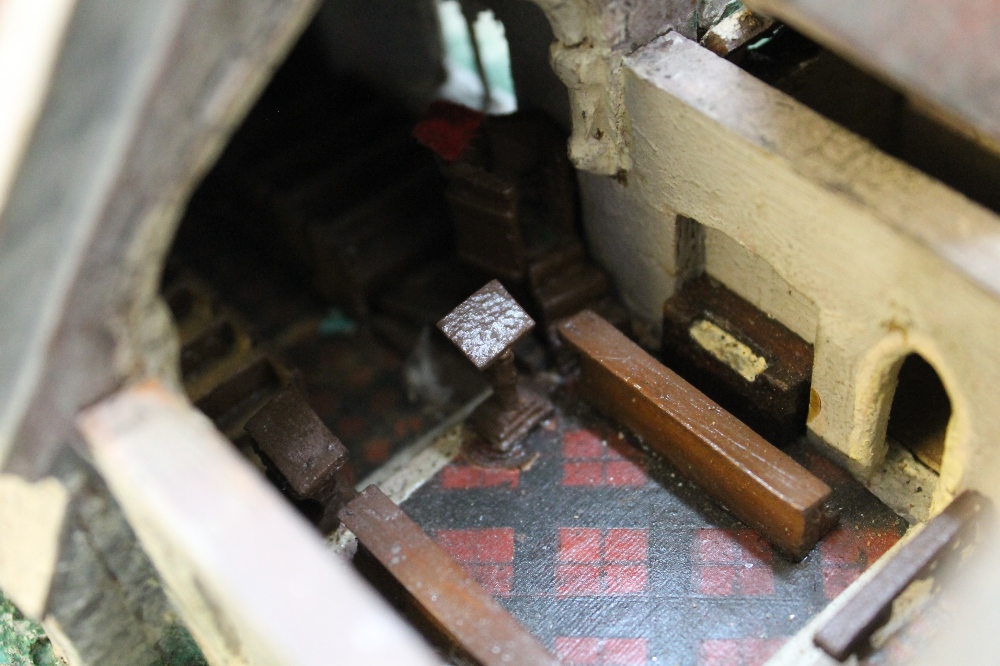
pixel 22 642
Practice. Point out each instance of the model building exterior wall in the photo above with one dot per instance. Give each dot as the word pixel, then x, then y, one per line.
pixel 820 230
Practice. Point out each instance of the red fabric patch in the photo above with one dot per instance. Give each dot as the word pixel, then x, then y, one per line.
pixel 578 651
pixel 464 477
pixel 625 473
pixel 578 579
pixel 583 474
pixel 478 546
pixel 624 652
pixel 590 461
pixel 841 547
pixel 484 554
pixel 715 546
pixel 846 554
pixel 447 128
pixel 624 578
pixel 838 579
pixel 596 563
pixel 738 651
pixel 589 651
pixel 582 444
pixel 715 581
pixel 579 545
pixel 495 579
pixel 732 563
pixel 626 545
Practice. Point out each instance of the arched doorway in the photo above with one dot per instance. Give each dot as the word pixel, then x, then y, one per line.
pixel 920 412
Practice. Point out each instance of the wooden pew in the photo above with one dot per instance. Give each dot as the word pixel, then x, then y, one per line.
pixel 439 587
pixel 754 480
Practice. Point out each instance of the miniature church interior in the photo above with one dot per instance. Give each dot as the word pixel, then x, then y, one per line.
pixel 505 332
pixel 340 250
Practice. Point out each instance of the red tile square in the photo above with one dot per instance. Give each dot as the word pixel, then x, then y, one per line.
pixel 460 544
pixel 492 477
pixel 626 545
pixel 624 473
pixel 408 426
pixel 582 444
pixel 578 579
pixel 876 543
pixel 350 427
pixel 719 652
pixel 841 547
pixel 624 652
pixel 461 477
pixel 587 473
pixel 837 579
pixel 495 579
pixel 612 452
pixel 753 547
pixel 756 651
pixel 738 651
pixel 715 580
pixel 756 581
pixel 625 578
pixel 377 450
pixel 573 651
pixel 579 545
pixel 715 546
pixel 495 545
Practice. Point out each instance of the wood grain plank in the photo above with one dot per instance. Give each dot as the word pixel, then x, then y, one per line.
pixel 754 480
pixel 439 585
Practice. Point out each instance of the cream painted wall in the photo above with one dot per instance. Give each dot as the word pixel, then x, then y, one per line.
pixel 754 279
pixel 863 237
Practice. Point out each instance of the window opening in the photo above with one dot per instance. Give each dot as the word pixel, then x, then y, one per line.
pixel 478 70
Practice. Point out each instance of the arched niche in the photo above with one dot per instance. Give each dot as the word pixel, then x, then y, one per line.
pixel 908 407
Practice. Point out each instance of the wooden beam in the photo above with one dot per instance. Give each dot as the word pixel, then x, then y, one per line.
pixel 439 586
pixel 754 480
pixel 871 607
pixel 252 580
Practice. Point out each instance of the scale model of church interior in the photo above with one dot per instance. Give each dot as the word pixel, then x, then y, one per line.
pixel 652 347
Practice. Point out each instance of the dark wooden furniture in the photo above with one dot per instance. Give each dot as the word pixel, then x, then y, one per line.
pixel 740 357
pixel 440 588
pixel 484 327
pixel 303 457
pixel 871 607
pixel 513 202
pixel 758 483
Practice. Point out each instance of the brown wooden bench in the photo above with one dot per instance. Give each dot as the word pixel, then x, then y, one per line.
pixel 754 480
pixel 439 587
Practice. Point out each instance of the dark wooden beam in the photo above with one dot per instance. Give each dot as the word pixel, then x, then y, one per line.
pixel 439 586
pixel 871 607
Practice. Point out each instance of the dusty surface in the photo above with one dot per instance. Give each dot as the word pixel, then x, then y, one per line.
pixel 605 553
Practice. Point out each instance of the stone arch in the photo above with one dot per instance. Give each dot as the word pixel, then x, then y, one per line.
pixel 877 401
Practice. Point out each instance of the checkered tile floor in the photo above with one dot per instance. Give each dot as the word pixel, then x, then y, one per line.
pixel 610 557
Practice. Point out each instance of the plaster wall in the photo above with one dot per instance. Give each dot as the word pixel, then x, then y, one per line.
pixel 864 238
pixel 592 37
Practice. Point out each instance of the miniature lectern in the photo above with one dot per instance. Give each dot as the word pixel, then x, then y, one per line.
pixel 484 327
